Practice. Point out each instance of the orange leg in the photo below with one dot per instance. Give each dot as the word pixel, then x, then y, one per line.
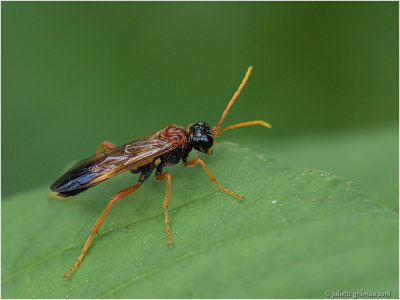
pixel 167 176
pixel 196 161
pixel 117 197
pixel 105 144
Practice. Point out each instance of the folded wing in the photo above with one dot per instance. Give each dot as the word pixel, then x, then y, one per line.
pixel 102 166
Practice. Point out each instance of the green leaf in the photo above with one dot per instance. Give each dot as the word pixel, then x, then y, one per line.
pixel 298 233
pixel 367 156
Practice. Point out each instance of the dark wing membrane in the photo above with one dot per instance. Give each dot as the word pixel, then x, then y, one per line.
pixel 100 167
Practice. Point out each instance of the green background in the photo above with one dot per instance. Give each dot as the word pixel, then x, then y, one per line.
pixel 325 76
pixel 75 74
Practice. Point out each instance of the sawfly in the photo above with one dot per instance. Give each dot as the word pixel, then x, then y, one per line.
pixel 162 148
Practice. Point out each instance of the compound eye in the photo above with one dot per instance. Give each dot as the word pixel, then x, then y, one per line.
pixel 206 142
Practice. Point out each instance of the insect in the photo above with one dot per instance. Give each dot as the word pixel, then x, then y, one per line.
pixel 162 148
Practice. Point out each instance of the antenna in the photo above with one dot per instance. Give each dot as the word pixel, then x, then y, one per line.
pixel 215 131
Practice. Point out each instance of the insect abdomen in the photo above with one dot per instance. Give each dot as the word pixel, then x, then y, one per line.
pixel 74 181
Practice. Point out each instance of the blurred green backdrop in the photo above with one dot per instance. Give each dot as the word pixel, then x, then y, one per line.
pixel 325 75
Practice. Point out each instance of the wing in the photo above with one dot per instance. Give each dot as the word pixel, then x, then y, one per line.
pixel 100 167
pixel 129 156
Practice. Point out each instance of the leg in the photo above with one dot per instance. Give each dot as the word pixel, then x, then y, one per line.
pixel 117 197
pixel 105 144
pixel 167 176
pixel 196 161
